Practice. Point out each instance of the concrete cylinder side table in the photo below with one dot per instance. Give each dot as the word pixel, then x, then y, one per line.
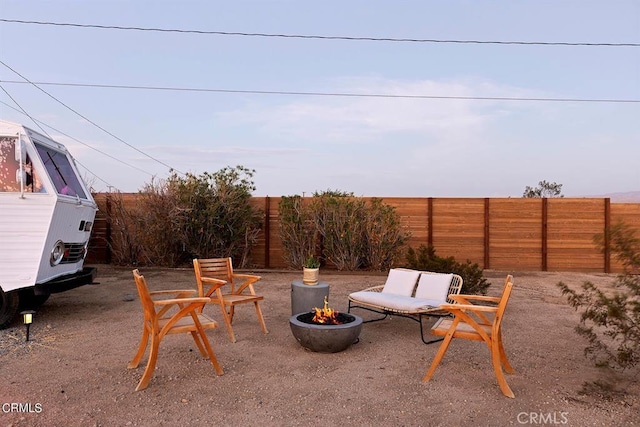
pixel 305 297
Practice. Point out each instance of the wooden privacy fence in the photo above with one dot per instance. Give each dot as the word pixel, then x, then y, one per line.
pixel 508 234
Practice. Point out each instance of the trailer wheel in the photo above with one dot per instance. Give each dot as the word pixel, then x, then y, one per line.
pixel 9 305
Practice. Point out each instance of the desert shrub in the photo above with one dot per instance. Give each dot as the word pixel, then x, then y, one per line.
pixel 342 229
pixel 184 217
pixel 124 246
pixel 144 233
pixel 611 321
pixel 215 214
pixel 425 259
pixel 158 223
pixel 384 236
pixel 297 230
pixel 339 220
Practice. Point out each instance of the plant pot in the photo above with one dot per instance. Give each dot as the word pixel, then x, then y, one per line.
pixel 310 276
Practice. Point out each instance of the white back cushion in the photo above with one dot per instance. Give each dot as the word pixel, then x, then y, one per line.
pixel 434 286
pixel 401 282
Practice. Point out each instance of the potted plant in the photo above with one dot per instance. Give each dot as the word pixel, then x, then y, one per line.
pixel 311 271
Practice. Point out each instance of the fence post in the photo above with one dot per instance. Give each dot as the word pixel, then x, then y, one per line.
pixel 267 232
pixel 430 222
pixel 108 230
pixel 545 209
pixel 607 242
pixel 487 234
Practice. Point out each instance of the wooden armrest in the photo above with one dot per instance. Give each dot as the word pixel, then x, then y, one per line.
pixel 480 297
pixel 216 284
pixel 249 280
pixel 174 291
pixel 212 280
pixel 251 277
pixel 463 298
pixel 470 307
pixel 204 300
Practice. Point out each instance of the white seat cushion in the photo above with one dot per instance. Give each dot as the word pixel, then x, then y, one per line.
pixel 434 287
pixel 401 282
pixel 394 302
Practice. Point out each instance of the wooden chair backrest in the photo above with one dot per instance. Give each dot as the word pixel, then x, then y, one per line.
pixel 502 305
pixel 215 268
pixel 145 297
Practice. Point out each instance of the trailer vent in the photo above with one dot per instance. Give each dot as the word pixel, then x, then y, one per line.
pixel 73 252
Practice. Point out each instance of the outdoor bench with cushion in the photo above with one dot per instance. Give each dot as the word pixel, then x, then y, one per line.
pixel 409 293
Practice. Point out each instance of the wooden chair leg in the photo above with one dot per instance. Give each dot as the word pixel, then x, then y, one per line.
pixel 227 323
pixel 196 338
pixel 212 356
pixel 439 355
pixel 141 348
pixel 232 310
pixel 260 318
pixel 505 361
pixel 497 368
pixel 151 364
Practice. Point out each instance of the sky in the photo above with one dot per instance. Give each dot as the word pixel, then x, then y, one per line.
pixel 428 135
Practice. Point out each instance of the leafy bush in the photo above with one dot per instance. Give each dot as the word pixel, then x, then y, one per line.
pixel 342 229
pixel 339 220
pixel 611 322
pixel 144 233
pixel 425 259
pixel 158 222
pixel 216 216
pixel 189 216
pixel 124 245
pixel 544 189
pixel 297 231
pixel 385 237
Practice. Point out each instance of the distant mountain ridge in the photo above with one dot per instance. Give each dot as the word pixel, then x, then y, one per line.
pixel 626 197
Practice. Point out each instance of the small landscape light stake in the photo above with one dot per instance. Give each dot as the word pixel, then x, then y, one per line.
pixel 27 317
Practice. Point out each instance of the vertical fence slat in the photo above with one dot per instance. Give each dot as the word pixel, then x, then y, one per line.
pixel 430 222
pixel 545 228
pixel 267 231
pixel 487 234
pixel 108 231
pixel 607 228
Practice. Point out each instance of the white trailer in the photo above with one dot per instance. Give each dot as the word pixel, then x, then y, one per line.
pixel 46 216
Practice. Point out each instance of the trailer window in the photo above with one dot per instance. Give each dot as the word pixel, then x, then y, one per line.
pixel 61 172
pixel 9 168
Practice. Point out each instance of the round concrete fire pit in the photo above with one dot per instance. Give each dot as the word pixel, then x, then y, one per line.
pixel 325 338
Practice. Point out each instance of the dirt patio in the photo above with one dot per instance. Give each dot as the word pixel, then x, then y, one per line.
pixel 74 372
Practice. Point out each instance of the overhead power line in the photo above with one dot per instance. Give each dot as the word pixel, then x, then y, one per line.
pixel 23 111
pixel 330 94
pixel 109 186
pixel 37 122
pixel 89 120
pixel 320 37
pixel 40 122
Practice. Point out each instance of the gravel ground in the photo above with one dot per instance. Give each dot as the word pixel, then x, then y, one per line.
pixel 73 371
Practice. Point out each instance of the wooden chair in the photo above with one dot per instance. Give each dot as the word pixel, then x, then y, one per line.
pixel 472 323
pixel 158 323
pixel 216 274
